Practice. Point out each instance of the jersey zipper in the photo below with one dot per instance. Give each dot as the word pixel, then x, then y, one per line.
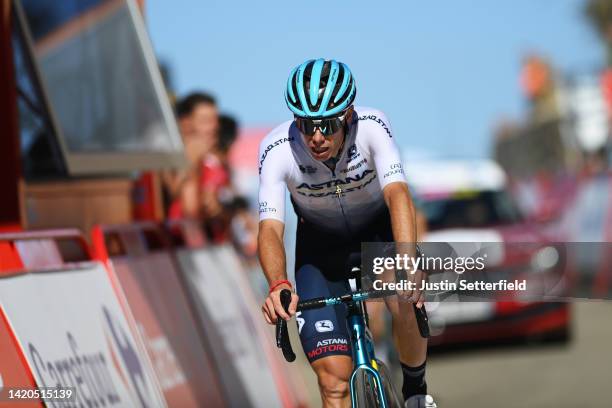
pixel 339 194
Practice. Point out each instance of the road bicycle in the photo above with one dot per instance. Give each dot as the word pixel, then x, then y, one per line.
pixel 370 382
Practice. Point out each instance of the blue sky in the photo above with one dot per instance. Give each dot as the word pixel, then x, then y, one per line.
pixel 443 72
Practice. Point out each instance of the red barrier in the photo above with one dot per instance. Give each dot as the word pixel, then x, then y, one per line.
pixel 9 257
pixel 63 326
pixel 15 372
pixel 138 255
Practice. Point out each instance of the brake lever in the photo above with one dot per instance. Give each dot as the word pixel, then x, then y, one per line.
pixel 422 320
pixel 419 313
pixel 282 334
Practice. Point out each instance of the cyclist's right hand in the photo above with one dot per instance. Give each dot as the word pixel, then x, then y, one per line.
pixel 272 307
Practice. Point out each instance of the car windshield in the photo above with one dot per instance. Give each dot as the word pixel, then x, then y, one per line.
pixel 473 209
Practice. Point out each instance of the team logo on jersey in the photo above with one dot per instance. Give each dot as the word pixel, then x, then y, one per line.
pixel 307 169
pixel 352 153
pixel 323 326
pixel 334 186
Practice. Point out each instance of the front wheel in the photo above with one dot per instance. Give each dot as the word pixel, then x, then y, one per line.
pixel 392 397
pixel 369 395
pixel 366 391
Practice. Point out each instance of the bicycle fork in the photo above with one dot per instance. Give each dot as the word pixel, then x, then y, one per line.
pixel 363 354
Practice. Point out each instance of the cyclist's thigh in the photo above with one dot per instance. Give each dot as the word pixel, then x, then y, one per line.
pixel 323 332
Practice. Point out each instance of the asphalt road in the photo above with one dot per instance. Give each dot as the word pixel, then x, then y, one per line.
pixel 576 375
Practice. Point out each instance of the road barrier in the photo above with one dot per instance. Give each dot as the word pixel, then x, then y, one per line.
pixel 221 289
pixel 69 325
pixel 139 256
pixel 146 317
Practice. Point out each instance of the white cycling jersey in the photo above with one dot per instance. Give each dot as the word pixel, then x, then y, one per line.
pixel 340 201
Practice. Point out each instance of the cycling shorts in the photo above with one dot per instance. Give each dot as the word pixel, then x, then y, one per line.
pixel 321 270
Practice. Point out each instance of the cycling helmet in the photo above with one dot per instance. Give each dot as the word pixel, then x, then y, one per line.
pixel 320 88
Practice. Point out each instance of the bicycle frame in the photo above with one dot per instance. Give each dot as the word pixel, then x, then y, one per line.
pixel 363 352
pixel 362 344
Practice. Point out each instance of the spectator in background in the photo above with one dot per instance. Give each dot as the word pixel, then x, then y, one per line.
pixel 203 190
pixel 216 191
pixel 198 122
pixel 198 113
pixel 228 132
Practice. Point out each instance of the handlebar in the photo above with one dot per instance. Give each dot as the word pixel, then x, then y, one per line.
pixel 282 334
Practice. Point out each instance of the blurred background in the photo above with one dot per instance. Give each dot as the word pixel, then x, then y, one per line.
pixel 123 112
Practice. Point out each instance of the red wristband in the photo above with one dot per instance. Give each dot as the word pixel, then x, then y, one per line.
pixel 278 283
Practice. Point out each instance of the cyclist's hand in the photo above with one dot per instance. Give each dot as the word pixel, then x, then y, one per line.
pixel 421 300
pixel 419 296
pixel 272 307
pixel 416 295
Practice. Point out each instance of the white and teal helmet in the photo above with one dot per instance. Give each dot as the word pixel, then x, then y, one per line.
pixel 320 88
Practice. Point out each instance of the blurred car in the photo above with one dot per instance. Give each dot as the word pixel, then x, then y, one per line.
pixel 468 201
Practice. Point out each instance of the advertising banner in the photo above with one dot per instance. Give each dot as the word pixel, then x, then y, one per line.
pixel 289 381
pixel 167 325
pixel 222 300
pixel 75 335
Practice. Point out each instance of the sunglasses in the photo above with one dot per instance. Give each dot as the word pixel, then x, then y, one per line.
pixel 327 126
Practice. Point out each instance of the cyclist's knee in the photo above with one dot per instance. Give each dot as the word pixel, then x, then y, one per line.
pixel 402 313
pixel 333 375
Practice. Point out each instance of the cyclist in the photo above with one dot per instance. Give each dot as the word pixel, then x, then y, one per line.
pixel 346 183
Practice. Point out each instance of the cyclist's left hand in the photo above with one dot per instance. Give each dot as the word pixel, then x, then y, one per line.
pixel 416 295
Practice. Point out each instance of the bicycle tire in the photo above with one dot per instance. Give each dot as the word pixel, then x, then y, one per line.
pixel 366 391
pixel 392 397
